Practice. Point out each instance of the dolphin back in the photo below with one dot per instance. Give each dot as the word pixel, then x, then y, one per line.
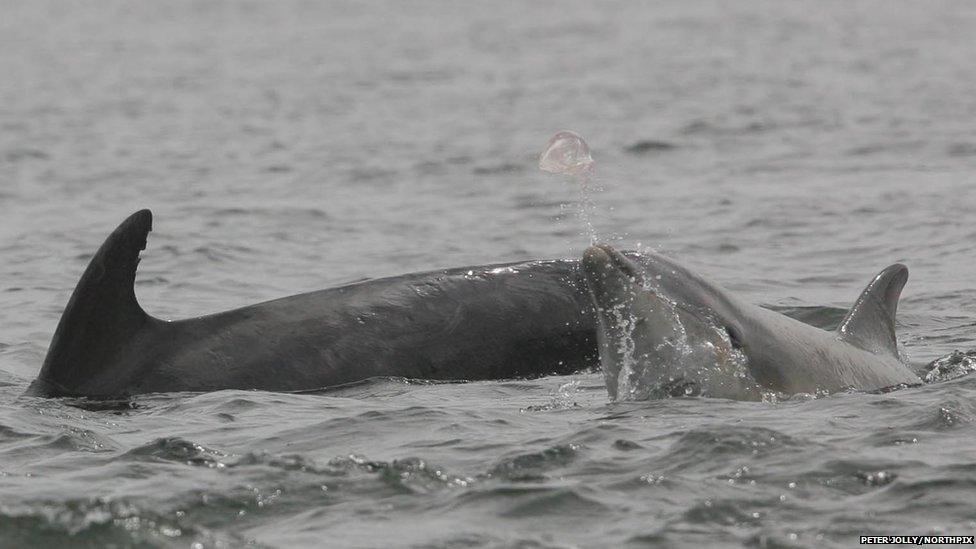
pixel 481 322
pixel 102 314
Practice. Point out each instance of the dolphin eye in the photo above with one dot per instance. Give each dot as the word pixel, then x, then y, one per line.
pixel 734 337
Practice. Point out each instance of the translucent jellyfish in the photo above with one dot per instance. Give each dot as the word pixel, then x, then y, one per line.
pixel 566 153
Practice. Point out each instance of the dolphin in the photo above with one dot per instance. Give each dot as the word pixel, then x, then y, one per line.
pixel 666 331
pixel 488 322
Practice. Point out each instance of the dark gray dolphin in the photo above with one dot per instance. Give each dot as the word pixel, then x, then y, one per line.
pixel 489 322
pixel 664 330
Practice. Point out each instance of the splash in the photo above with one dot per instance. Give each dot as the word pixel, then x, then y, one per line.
pixel 627 350
pixel 641 377
pixel 567 154
pixel 951 366
pixel 562 397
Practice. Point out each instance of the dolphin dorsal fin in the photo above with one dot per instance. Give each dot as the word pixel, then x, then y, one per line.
pixel 102 315
pixel 870 324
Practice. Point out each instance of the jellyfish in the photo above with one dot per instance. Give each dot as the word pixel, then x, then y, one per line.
pixel 566 153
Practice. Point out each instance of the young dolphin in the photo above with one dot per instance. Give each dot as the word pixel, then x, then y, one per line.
pixel 665 331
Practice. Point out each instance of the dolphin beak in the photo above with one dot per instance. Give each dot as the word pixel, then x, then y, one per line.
pixel 598 271
pixel 621 262
pixel 608 272
pixel 615 287
pixel 595 261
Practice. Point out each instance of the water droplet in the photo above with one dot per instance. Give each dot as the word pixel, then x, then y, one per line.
pixel 566 153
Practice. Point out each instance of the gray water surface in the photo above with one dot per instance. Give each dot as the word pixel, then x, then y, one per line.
pixel 789 150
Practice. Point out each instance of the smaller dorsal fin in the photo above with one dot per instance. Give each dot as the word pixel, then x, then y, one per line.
pixel 870 324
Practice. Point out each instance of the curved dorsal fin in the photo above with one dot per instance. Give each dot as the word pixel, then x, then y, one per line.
pixel 102 315
pixel 870 324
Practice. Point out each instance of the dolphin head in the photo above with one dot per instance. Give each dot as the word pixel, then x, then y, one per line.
pixel 656 338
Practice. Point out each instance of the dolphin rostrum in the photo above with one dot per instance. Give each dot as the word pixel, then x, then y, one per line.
pixel 665 331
